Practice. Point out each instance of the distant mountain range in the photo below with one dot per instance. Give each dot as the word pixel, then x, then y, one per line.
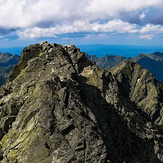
pixel 7 63
pixel 152 62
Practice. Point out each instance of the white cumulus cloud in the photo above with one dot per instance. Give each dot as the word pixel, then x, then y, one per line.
pixel 78 26
pixel 152 28
pixel 142 16
pixel 48 18
pixel 28 13
pixel 149 37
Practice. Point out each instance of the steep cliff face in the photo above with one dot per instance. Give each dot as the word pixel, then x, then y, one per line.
pixel 59 107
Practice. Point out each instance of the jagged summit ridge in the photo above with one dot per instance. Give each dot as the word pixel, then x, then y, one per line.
pixel 48 51
pixel 59 107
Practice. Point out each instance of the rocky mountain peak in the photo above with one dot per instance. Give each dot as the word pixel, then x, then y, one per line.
pixel 4 56
pixel 142 88
pixel 59 107
pixel 50 52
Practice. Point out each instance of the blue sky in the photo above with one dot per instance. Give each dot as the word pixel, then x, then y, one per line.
pixel 120 22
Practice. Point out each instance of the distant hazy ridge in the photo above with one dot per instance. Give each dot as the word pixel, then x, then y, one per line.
pixel 7 62
pixel 152 62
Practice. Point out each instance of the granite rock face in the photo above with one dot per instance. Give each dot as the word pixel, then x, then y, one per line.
pixel 58 107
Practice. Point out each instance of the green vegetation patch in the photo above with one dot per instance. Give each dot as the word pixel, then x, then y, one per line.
pixel 42 55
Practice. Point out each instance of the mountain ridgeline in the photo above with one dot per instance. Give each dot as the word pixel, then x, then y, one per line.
pixel 7 63
pixel 58 107
pixel 152 62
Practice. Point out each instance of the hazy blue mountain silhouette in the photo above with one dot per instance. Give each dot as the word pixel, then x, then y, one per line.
pixel 152 62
